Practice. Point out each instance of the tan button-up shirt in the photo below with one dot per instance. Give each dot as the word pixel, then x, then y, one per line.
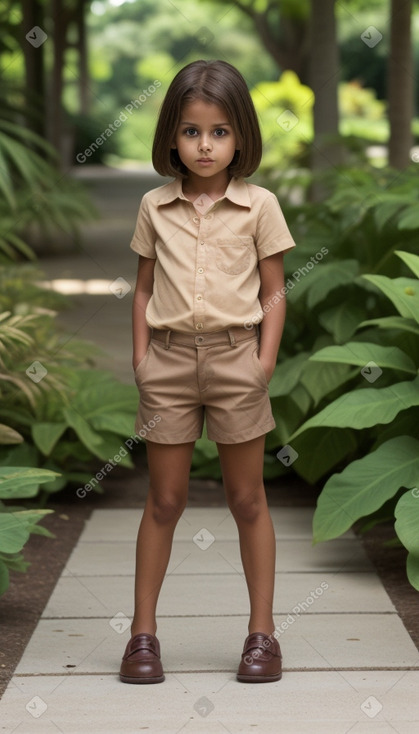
pixel 206 275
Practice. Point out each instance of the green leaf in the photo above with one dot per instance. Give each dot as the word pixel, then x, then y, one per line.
pixel 8 435
pixel 46 435
pixel 321 379
pixel 406 526
pixel 4 577
pixel 301 398
pixel 287 418
pixel 412 568
pixel 365 408
pixel 287 374
pixel 342 320
pixel 402 292
pixel 320 456
pixel 323 278
pixel 409 219
pixel 15 528
pixel 364 486
pixel 15 562
pixel 19 482
pixel 360 353
pixel 120 423
pixel 384 212
pixel 392 322
pixel 87 436
pixel 407 518
pixel 411 260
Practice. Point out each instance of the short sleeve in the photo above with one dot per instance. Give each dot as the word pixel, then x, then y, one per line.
pixel 272 233
pixel 144 237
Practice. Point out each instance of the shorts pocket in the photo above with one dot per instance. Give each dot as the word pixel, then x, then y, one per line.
pixel 234 256
pixel 140 366
pixel 259 368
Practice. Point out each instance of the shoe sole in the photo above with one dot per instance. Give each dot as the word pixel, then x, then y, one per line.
pixel 258 678
pixel 130 679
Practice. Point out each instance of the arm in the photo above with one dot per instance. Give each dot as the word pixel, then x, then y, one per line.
pixel 271 271
pixel 141 332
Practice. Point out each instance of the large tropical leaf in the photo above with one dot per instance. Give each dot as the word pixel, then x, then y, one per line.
pixel 365 408
pixel 402 292
pixel 15 528
pixel 20 482
pixel 364 486
pixel 360 353
pixel 407 528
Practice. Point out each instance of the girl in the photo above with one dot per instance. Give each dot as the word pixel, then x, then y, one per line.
pixel 210 269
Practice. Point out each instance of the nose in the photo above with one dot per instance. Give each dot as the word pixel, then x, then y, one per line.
pixel 204 143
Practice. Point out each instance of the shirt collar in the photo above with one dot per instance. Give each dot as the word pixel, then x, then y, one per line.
pixel 236 191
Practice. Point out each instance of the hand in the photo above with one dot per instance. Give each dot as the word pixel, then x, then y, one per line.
pixel 136 360
pixel 268 367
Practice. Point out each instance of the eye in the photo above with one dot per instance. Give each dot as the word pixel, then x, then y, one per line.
pixel 190 132
pixel 219 132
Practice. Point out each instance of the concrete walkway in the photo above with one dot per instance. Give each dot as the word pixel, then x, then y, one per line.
pixel 349 663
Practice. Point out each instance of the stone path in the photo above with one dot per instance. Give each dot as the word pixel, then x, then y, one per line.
pixel 349 664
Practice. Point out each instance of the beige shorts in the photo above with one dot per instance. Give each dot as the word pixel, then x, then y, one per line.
pixel 184 378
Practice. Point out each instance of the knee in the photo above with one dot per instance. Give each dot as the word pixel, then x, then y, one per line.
pixel 166 507
pixel 247 507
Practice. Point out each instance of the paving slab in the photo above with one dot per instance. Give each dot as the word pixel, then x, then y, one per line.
pixel 301 703
pixel 183 595
pixel 288 522
pixel 292 556
pixel 210 643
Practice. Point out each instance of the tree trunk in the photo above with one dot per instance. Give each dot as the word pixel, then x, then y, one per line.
pixel 56 111
pixel 324 70
pixel 400 84
pixel 285 37
pixel 34 68
pixel 83 58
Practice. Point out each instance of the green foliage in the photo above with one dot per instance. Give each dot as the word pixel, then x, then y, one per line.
pixel 285 111
pixel 74 414
pixel 345 391
pixel 17 523
pixel 35 198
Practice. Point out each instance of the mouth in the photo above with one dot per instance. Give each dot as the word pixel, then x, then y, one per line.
pixel 205 160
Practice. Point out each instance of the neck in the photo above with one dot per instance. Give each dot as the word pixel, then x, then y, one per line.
pixel 214 186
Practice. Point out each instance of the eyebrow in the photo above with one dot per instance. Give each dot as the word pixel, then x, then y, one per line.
pixel 219 124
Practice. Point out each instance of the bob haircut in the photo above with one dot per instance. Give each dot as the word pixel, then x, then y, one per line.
pixel 214 82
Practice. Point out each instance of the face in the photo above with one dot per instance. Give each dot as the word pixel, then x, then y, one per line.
pixel 205 139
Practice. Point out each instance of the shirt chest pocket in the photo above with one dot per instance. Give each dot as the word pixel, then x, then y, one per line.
pixel 234 256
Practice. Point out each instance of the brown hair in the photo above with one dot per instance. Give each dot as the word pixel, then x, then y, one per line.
pixel 215 82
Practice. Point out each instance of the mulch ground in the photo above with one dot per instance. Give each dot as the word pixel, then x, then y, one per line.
pixel 23 603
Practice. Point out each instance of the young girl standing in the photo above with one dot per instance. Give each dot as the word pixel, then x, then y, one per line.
pixel 210 252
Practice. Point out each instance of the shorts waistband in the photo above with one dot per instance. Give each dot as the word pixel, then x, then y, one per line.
pixel 229 336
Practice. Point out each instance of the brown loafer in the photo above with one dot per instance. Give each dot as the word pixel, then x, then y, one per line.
pixel 141 662
pixel 261 659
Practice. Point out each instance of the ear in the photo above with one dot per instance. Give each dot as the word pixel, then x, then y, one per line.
pixel 173 146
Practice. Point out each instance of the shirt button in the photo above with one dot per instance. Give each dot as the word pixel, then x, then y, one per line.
pixel 200 325
pixel 202 243
pixel 200 270
pixel 196 220
pixel 199 298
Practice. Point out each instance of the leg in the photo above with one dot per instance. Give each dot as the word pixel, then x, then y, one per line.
pixel 242 469
pixel 169 467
